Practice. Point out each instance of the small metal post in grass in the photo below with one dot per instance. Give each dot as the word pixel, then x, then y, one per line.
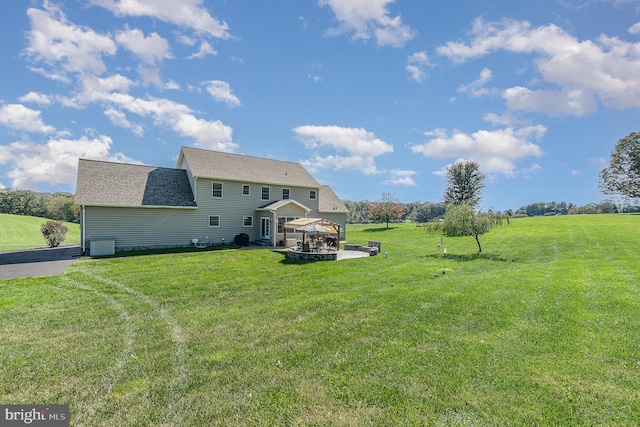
pixel 441 247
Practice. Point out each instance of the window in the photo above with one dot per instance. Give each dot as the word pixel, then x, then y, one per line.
pixel 217 190
pixel 246 189
pixel 214 221
pixel 285 194
pixel 312 194
pixel 282 220
pixel 265 193
pixel 247 221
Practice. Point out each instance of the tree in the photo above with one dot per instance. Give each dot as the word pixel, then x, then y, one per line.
pixel 428 211
pixel 465 184
pixel 387 209
pixel 54 232
pixel 464 220
pixel 622 176
pixel 63 209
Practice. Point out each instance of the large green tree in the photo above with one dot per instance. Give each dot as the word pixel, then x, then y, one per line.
pixel 622 176
pixel 464 184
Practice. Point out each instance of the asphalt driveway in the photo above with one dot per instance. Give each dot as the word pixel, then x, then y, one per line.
pixel 37 262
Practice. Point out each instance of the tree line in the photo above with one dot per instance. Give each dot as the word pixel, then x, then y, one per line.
pixel 420 212
pixel 58 206
pixel 563 208
pixel 360 212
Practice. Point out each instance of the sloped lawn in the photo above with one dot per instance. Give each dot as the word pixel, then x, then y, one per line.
pixel 542 328
pixel 19 232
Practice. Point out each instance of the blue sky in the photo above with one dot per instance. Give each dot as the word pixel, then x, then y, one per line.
pixel 372 96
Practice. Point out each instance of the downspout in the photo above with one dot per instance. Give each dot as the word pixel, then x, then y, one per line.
pixel 83 230
pixel 195 189
pixel 274 228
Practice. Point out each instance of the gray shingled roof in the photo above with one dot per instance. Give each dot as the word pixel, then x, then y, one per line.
pixel 237 167
pixel 329 202
pixel 120 184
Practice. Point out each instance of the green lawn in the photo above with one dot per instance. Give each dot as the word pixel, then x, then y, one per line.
pixel 23 232
pixel 542 328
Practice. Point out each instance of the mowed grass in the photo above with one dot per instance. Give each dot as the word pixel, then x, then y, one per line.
pixel 23 232
pixel 542 328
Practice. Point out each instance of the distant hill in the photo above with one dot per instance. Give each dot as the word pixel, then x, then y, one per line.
pixel 23 232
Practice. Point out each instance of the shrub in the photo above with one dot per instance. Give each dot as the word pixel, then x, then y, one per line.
pixel 54 232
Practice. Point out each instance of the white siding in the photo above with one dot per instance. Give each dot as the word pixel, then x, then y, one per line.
pixel 133 228
pixel 234 206
pixel 166 227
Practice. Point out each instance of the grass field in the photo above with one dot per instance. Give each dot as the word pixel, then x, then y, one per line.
pixel 23 232
pixel 542 328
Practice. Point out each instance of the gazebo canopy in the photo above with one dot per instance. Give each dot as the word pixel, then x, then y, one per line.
pixel 306 224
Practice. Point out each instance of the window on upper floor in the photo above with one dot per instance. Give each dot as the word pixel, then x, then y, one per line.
pixel 265 193
pixel 285 193
pixel 313 194
pixel 216 192
pixel 246 189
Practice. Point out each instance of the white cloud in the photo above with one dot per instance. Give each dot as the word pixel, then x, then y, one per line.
pixel 55 162
pixel 401 177
pixel 179 117
pixel 575 102
pixel 496 151
pixel 151 49
pixel 185 40
pixel 64 46
pixel 635 28
pixel 221 91
pixel 507 119
pixel 476 88
pixel 36 98
pixel 369 18
pixel 111 92
pixel 189 14
pixel 527 172
pixel 213 135
pixel 578 74
pixel 19 117
pixel 205 49
pixel 360 145
pixel 118 118
pixel 416 65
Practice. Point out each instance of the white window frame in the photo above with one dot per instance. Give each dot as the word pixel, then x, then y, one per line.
pixel 268 193
pixel 288 190
pixel 282 220
pixel 248 187
pixel 244 221
pixel 211 217
pixel 213 190
pixel 313 194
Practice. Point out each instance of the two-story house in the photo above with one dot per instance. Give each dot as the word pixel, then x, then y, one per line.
pixel 211 196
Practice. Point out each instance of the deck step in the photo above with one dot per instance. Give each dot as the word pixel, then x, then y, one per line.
pixel 262 242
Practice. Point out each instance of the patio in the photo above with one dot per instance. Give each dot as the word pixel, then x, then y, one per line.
pixel 327 255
